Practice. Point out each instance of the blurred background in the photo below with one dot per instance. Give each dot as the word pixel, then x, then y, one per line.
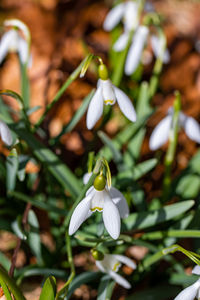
pixel 62 34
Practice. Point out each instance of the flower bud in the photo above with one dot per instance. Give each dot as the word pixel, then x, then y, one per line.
pixel 99 183
pixel 98 255
pixel 103 72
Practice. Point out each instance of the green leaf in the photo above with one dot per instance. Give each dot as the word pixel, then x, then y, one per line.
pixel 49 289
pixel 11 169
pixel 117 156
pixel 13 95
pixel 11 285
pixel 85 277
pixel 188 186
pixel 5 262
pixel 34 236
pixel 147 219
pixel 58 169
pixel 43 205
pixel 171 233
pixel 105 288
pixel 33 109
pixel 75 119
pixel 17 228
pixel 23 160
pixel 5 289
pixel 159 292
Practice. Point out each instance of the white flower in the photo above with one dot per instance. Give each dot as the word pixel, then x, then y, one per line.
pixel 161 132
pixel 128 12
pixel 5 134
pixel 111 264
pixel 12 41
pixel 158 45
pixel 108 94
pixel 193 291
pixel 136 49
pixel 111 203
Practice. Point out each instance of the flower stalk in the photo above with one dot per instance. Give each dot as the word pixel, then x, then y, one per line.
pixel 173 138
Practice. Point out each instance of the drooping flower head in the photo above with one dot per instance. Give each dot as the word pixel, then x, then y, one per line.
pixel 108 94
pixel 135 32
pixel 193 291
pixel 111 263
pixel 16 39
pixel 161 132
pixel 110 202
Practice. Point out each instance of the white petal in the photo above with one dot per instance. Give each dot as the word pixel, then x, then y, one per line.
pixel 90 190
pixel 79 214
pixel 190 292
pixel 5 44
pixel 108 92
pixel 136 48
pixel 160 133
pixel 196 270
pixel 192 129
pixel 111 217
pixel 120 201
pixel 120 280
pixel 113 17
pixel 100 266
pixel 121 43
pixel 125 260
pixel 97 202
pixel 95 109
pixel 158 46
pixel 23 50
pixel 5 134
pixel 125 104
pixel 131 15
pixel 19 24
pixel 86 177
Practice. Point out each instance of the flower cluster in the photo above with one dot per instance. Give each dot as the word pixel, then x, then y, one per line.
pixel 129 12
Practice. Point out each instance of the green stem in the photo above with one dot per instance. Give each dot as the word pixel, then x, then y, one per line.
pixel 12 285
pixel 119 67
pixel 173 138
pixel 25 87
pixel 154 80
pixel 63 292
pixel 70 79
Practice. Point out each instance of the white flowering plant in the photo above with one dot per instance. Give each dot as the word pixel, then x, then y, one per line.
pixel 101 206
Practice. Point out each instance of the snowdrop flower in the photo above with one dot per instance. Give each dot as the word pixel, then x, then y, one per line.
pixel 111 264
pixel 161 132
pixel 12 41
pixel 193 291
pixel 136 49
pixel 5 134
pixel 111 203
pixel 128 12
pixel 108 94
pixel 158 45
